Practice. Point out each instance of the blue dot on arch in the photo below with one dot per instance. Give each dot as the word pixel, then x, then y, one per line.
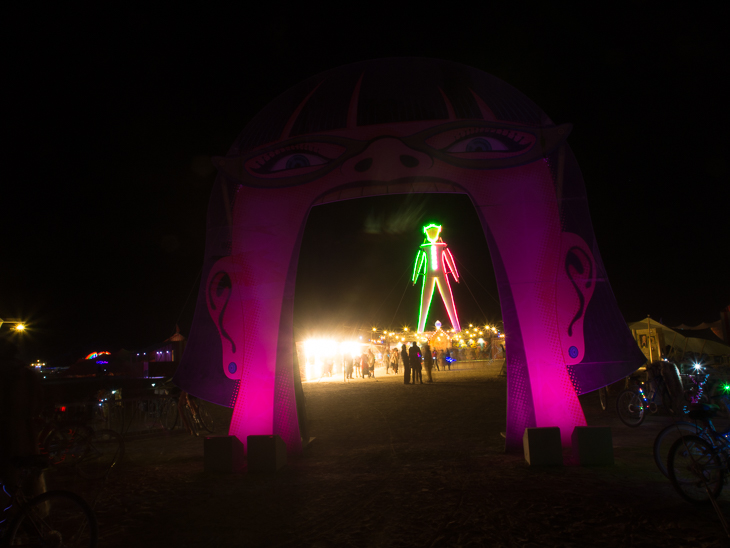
pixel 573 352
pixel 232 367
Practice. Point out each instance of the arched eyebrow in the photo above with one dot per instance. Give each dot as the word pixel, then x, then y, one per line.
pixel 487 113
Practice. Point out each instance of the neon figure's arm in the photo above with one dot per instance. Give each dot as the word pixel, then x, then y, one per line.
pixel 448 259
pixel 420 260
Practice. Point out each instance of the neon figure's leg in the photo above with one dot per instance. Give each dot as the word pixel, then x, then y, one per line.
pixel 426 295
pixel 448 299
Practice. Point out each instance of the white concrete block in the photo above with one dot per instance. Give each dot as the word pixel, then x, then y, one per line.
pixel 542 446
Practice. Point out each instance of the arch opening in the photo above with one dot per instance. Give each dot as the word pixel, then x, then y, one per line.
pixel 404 126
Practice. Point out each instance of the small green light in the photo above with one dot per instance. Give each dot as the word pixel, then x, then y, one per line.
pixel 726 388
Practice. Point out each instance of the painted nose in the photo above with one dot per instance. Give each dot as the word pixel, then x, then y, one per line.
pixel 387 159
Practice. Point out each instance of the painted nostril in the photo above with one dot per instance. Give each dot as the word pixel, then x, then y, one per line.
pixel 363 165
pixel 408 161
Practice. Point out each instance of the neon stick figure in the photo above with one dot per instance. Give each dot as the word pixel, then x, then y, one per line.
pixel 434 262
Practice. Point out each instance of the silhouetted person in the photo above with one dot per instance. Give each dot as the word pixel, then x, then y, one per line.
pixel 414 357
pixel 371 362
pixel 364 365
pixel 348 366
pixel 406 365
pixel 427 361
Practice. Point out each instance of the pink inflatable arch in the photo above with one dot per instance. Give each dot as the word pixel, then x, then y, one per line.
pixel 399 126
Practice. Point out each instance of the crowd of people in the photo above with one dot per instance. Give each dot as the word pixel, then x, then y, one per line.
pixel 411 361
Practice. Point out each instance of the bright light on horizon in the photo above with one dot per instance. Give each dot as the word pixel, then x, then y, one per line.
pixel 317 350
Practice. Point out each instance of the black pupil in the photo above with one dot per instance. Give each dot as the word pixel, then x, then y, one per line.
pixel 478 145
pixel 297 161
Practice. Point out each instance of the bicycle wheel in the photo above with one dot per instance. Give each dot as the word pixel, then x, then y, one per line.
pixel 695 469
pixel 630 407
pixel 169 414
pixel 151 414
pixel 666 438
pixel 101 454
pixel 195 426
pixel 603 397
pixel 55 518
pixel 206 420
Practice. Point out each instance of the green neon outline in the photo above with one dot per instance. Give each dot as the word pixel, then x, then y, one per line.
pixel 417 267
pixel 432 225
pixel 428 307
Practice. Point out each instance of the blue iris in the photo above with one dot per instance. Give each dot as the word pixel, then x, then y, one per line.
pixel 478 145
pixel 297 161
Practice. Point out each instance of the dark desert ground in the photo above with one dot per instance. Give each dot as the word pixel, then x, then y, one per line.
pixel 399 465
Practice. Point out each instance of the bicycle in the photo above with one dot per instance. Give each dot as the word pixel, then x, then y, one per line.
pixel 633 402
pixel 93 453
pixel 668 435
pixel 193 414
pixel 697 466
pixel 196 414
pixel 160 412
pixel 55 518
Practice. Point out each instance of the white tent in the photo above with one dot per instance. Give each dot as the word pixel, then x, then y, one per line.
pixel 653 338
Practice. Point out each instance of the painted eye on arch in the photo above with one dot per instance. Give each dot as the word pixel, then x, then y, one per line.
pixel 482 142
pixel 489 142
pixel 478 144
pixel 293 160
pixel 296 160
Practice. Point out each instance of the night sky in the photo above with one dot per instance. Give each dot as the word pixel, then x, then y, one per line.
pixel 111 118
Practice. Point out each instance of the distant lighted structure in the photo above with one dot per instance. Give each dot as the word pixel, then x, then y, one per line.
pixel 96 355
pixel 440 340
pixel 19 324
pixel 434 262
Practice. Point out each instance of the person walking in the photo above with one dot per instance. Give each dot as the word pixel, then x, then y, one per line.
pixel 348 366
pixel 364 365
pixel 414 357
pixel 371 363
pixel 427 361
pixel 394 356
pixel 406 364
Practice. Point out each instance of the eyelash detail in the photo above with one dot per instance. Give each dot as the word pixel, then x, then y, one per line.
pixel 268 159
pixel 508 136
